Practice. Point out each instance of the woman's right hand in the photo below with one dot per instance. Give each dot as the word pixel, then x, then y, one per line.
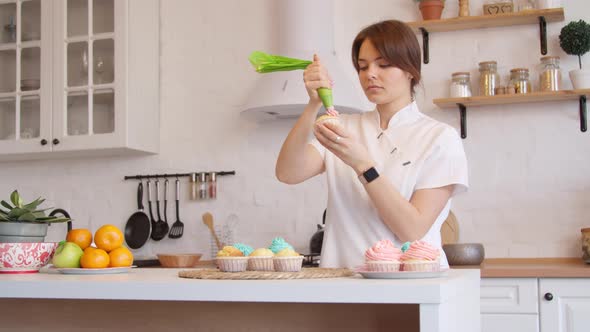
pixel 316 76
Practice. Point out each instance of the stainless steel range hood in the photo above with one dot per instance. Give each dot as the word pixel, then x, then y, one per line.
pixel 305 27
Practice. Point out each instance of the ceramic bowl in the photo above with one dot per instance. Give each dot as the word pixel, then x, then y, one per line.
pixel 464 253
pixel 179 260
pixel 25 257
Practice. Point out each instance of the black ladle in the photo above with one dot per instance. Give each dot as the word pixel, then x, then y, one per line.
pixel 137 229
pixel 161 227
pixel 154 222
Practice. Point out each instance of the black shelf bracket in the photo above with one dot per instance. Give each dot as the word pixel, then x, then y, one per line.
pixel 426 53
pixel 173 175
pixel 463 113
pixel 583 114
pixel 543 32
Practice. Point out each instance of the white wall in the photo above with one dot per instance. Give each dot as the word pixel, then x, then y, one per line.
pixel 528 163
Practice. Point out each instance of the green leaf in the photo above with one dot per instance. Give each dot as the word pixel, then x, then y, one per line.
pixel 3 217
pixel 33 205
pixel 39 214
pixel 27 217
pixel 53 219
pixel 16 199
pixel 2 211
pixel 6 205
pixel 17 212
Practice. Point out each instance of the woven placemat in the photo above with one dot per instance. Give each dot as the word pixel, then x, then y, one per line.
pixel 305 273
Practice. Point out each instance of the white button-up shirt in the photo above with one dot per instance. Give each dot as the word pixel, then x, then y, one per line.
pixel 414 152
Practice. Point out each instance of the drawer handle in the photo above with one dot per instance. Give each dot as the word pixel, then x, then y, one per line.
pixel 548 296
pixel 44 142
pixel 55 141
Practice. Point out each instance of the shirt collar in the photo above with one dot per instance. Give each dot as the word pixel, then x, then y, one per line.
pixel 408 114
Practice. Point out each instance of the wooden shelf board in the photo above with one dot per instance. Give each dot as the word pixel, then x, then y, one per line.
pixel 532 97
pixel 489 21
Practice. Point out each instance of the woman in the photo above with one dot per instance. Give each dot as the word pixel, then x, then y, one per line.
pixel 391 172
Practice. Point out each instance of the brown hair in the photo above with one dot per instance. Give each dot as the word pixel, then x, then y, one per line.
pixel 396 42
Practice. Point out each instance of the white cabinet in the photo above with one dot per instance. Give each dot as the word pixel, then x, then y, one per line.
pixel 565 305
pixel 80 77
pixel 509 304
pixel 535 304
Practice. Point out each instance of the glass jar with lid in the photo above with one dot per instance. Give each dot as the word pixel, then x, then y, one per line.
pixel 550 77
pixel 460 85
pixel 519 79
pixel 488 78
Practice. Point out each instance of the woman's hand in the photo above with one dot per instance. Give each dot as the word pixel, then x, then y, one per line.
pixel 344 145
pixel 316 76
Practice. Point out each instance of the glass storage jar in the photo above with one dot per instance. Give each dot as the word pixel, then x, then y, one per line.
pixel 550 77
pixel 460 85
pixel 519 79
pixel 488 77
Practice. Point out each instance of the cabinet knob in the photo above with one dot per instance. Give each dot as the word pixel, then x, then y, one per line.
pixel 44 142
pixel 55 141
pixel 548 296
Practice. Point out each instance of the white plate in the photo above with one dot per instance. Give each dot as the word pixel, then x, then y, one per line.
pixel 403 274
pixel 108 270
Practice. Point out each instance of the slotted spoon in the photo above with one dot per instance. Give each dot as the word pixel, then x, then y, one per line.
pixel 177 227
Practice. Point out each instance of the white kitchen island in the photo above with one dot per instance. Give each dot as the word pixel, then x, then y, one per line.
pixel 157 299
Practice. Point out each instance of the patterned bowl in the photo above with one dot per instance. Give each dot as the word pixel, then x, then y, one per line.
pixel 25 257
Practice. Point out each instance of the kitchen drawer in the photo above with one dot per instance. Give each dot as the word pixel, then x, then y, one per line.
pixel 509 323
pixel 509 296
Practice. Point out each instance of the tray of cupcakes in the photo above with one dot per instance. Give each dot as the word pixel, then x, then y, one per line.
pixel 417 259
pixel 277 261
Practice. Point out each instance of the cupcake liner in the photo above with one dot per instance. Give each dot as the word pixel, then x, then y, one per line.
pixel 383 266
pixel 421 266
pixel 260 263
pixel 288 264
pixel 232 264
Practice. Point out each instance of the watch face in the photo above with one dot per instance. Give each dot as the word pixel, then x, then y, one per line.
pixel 370 174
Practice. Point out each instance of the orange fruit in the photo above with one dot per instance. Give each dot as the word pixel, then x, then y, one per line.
pixel 121 257
pixel 82 237
pixel 89 249
pixel 108 237
pixel 95 259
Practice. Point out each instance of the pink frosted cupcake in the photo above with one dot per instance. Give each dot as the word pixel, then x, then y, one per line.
pixel 383 257
pixel 422 257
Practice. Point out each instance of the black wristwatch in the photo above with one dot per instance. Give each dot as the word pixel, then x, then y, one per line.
pixel 368 175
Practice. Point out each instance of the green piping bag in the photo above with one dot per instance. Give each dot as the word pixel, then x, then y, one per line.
pixel 267 63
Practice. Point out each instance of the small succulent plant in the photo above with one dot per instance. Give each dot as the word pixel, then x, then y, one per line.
pixel 18 211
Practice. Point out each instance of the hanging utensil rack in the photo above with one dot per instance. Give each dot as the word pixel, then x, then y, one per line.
pixel 174 175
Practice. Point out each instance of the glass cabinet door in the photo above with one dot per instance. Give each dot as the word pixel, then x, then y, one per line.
pixel 89 62
pixel 20 70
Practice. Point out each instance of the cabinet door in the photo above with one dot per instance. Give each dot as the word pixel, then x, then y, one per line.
pixel 509 296
pixel 89 61
pixel 509 322
pixel 25 80
pixel 565 305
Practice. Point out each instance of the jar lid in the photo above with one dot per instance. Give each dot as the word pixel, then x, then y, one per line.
pixel 584 230
pixel 519 69
pixel 550 57
pixel 461 73
pixel 488 63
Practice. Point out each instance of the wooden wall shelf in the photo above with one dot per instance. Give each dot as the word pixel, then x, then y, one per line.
pixel 539 16
pixel 533 97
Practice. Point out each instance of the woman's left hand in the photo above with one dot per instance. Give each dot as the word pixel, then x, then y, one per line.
pixel 344 145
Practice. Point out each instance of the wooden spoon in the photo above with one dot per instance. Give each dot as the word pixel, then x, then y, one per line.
pixel 208 220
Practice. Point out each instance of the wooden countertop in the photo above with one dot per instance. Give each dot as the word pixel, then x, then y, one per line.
pixel 568 267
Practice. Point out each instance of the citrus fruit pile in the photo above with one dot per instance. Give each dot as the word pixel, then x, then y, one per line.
pixel 109 250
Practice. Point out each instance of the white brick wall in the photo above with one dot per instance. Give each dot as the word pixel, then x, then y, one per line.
pixel 529 164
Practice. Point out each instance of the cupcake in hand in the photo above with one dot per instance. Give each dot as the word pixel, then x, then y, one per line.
pixel 384 256
pixel 288 260
pixel 331 116
pixel 231 259
pixel 261 259
pixel 421 256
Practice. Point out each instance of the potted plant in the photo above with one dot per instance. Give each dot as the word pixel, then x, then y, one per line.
pixel 431 9
pixel 574 39
pixel 20 222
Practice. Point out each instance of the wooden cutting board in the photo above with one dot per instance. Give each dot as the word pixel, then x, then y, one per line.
pixel 449 231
